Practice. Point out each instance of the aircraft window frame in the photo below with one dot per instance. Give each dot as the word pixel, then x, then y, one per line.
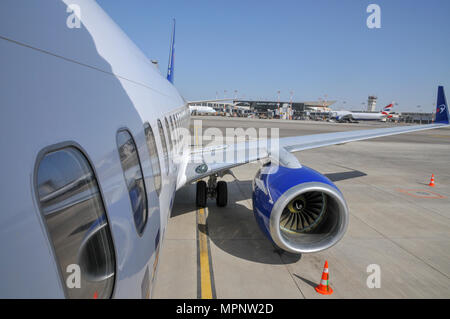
pixel 174 124
pixel 78 203
pixel 179 130
pixel 174 130
pixel 179 127
pixel 134 183
pixel 154 156
pixel 169 135
pixel 162 136
pixel 179 134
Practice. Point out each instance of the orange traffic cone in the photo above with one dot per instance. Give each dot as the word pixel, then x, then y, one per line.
pixel 432 181
pixel 324 286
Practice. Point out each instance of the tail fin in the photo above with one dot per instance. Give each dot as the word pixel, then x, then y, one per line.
pixel 387 110
pixel 442 107
pixel 171 55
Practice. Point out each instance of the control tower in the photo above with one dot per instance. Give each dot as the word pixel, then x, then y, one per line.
pixel 371 103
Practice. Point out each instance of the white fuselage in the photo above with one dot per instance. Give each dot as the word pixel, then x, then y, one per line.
pixel 201 109
pixel 78 87
pixel 358 116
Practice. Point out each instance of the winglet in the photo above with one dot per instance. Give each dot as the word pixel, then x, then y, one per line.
pixel 171 55
pixel 441 107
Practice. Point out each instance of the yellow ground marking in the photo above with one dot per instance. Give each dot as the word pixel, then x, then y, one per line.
pixel 205 272
pixel 439 136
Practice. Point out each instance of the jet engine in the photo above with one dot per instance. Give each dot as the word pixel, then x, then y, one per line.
pixel 299 209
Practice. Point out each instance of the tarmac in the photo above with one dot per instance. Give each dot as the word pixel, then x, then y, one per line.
pixel 398 238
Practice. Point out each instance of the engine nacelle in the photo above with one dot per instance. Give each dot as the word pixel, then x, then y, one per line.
pixel 299 209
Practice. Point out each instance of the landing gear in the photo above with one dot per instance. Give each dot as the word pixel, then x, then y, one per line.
pixel 212 189
pixel 202 194
pixel 222 194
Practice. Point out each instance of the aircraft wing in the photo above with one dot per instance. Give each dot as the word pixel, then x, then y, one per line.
pixel 205 162
pixel 218 159
pixel 348 116
pixel 300 143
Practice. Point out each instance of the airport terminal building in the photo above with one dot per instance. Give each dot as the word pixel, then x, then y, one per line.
pixel 259 106
pixel 300 110
pixel 269 108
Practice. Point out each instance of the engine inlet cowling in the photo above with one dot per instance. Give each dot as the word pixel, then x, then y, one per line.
pixel 300 210
pixel 303 213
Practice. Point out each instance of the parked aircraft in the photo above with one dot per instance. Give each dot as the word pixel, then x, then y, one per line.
pixel 198 109
pixel 348 116
pixel 92 156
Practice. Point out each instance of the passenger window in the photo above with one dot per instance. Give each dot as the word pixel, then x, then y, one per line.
pixel 164 146
pixel 169 135
pixel 174 130
pixel 132 172
pixel 177 121
pixel 156 168
pixel 73 210
pixel 179 139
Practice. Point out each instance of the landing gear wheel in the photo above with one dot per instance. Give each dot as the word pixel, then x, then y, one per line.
pixel 222 194
pixel 201 194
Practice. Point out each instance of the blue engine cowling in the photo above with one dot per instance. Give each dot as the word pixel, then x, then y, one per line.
pixel 299 209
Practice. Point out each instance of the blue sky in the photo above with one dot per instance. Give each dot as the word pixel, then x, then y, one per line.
pixel 314 48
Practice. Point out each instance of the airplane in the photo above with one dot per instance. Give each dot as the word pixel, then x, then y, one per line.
pixel 348 116
pixel 196 107
pixel 92 156
pixel 199 109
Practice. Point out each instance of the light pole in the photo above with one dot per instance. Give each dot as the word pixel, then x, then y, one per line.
pixel 420 114
pixel 278 103
pixel 290 104
pixel 225 96
pixel 234 103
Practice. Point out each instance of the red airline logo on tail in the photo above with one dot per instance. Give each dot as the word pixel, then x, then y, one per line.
pixel 387 109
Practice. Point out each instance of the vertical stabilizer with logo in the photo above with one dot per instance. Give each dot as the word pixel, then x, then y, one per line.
pixel 442 107
pixel 171 56
pixel 387 110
